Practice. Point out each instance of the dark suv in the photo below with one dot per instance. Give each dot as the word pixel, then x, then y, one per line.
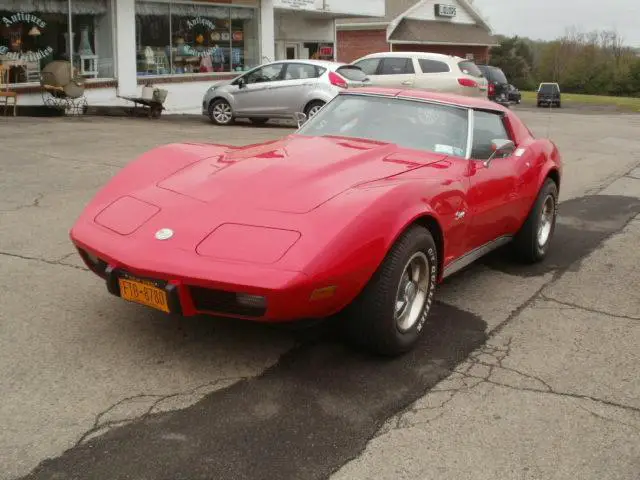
pixel 549 94
pixel 498 84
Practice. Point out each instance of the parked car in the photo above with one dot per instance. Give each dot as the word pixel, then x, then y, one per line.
pixel 431 71
pixel 310 225
pixel 514 95
pixel 498 88
pixel 279 90
pixel 549 94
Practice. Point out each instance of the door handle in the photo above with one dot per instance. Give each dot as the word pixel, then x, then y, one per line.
pixel 407 82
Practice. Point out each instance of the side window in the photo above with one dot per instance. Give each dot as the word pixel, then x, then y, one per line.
pixel 268 73
pixel 396 66
pixel 301 71
pixel 369 65
pixel 433 66
pixel 487 128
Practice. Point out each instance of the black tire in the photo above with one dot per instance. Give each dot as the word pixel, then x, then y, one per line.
pixel 217 104
pixel 527 244
pixel 539 104
pixel 311 106
pixel 371 319
pixel 259 121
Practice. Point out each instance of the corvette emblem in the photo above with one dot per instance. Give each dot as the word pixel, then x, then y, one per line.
pixel 164 234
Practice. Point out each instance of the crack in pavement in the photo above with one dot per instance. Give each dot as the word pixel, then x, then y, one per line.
pixel 611 420
pixel 34 204
pixel 465 378
pixel 575 306
pixel 44 260
pixel 101 426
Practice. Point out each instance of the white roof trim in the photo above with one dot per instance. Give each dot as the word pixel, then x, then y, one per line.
pixel 463 3
pixel 361 26
pixel 465 44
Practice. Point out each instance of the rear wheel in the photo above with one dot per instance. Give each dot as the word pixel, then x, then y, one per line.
pixel 220 112
pixel 389 316
pixel 532 241
pixel 313 108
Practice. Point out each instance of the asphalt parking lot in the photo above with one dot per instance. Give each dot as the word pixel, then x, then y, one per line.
pixel 528 373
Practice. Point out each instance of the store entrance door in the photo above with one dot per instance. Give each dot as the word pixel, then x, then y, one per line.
pixel 291 50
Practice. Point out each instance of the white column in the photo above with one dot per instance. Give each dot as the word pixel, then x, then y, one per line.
pixel 267 32
pixel 126 47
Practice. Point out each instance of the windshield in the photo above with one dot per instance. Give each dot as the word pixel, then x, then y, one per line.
pixel 548 88
pixel 407 123
pixel 497 75
pixel 352 73
pixel 469 68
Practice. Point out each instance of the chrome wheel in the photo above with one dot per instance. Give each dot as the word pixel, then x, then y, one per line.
pixel 547 218
pixel 412 292
pixel 222 113
pixel 314 109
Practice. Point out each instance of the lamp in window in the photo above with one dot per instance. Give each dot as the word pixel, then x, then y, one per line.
pixel 34 32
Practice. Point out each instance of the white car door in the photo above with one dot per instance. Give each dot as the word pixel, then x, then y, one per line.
pixel 435 75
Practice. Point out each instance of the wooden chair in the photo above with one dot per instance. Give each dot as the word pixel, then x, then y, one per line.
pixel 5 93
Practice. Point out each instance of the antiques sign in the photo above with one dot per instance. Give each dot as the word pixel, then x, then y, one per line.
pixel 14 51
pixel 443 10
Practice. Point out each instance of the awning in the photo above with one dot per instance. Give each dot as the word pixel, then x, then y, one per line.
pixel 78 7
pixel 441 33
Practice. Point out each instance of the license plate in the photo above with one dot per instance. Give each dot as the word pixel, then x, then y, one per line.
pixel 140 292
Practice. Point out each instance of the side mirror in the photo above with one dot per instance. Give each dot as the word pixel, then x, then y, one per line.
pixel 300 118
pixel 501 148
pixel 241 82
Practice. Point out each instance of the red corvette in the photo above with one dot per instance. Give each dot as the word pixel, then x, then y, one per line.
pixel 362 211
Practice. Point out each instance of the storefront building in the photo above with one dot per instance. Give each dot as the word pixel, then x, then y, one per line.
pixel 451 27
pixel 179 45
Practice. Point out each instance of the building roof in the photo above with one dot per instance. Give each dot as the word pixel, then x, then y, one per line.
pixel 440 33
pixel 393 9
pixel 401 28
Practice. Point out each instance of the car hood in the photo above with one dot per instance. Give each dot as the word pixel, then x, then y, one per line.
pixel 294 175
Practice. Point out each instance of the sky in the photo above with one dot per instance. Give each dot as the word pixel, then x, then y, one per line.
pixel 548 19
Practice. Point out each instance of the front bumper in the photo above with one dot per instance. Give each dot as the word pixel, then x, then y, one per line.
pixel 195 285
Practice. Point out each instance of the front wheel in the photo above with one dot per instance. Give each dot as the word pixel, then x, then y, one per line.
pixel 220 112
pixel 532 241
pixel 389 316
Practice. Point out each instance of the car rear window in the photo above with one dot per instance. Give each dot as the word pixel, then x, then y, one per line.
pixel 548 88
pixel 497 75
pixel 351 72
pixel 470 68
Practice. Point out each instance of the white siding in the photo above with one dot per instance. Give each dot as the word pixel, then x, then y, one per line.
pixel 374 8
pixel 427 12
pixel 292 26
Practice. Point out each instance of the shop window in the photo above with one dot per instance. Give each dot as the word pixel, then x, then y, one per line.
pixel 178 38
pixel 36 32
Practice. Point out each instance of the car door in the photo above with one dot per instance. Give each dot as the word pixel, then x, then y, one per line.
pixel 253 96
pixel 394 72
pixel 493 194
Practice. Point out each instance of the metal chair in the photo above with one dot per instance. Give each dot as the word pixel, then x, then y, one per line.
pixel 5 93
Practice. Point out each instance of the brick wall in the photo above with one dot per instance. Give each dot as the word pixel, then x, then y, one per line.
pixel 353 44
pixel 481 54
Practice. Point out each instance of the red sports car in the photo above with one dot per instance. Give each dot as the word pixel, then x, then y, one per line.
pixel 362 211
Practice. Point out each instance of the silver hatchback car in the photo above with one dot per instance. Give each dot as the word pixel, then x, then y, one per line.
pixel 279 90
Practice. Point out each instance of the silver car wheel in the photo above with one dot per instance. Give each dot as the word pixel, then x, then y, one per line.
pixel 546 220
pixel 413 292
pixel 222 113
pixel 315 109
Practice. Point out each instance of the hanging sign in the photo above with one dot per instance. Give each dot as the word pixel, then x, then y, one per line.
pixel 297 4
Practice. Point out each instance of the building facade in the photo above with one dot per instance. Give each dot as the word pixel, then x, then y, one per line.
pixel 179 45
pixel 451 27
